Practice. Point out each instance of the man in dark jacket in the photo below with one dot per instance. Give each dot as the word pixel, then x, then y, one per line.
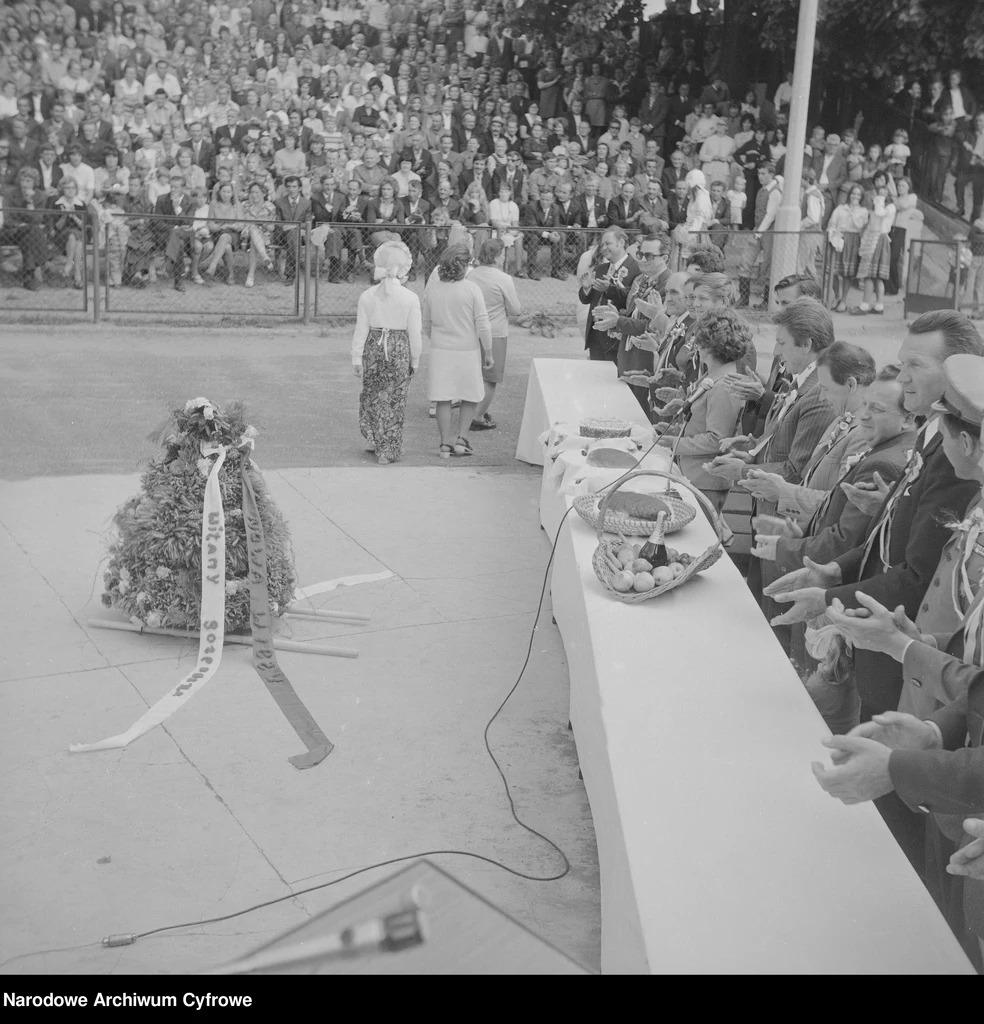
pixel 291 207
pixel 24 225
pixel 607 283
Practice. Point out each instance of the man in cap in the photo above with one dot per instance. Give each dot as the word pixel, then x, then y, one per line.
pixel 935 766
pixel 896 562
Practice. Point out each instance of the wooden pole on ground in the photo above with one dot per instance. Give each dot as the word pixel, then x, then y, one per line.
pixel 230 638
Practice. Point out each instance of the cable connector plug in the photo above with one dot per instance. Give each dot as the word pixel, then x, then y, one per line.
pixel 123 939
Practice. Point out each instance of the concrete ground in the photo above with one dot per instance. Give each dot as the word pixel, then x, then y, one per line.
pixel 204 816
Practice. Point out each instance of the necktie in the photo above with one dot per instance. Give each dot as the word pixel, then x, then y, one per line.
pixel 881 533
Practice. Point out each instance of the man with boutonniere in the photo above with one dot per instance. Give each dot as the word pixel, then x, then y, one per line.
pixel 896 562
pixel 929 753
pixel 797 420
pixel 643 312
pixel 607 284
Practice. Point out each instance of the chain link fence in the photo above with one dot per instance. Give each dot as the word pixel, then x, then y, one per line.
pixel 110 262
pixel 46 260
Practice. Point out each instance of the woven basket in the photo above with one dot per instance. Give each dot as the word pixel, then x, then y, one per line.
pixel 603 559
pixel 589 508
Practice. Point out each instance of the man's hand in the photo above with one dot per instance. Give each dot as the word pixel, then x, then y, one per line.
pixel 742 443
pixel 747 387
pixel 669 377
pixel 604 317
pixel 808 603
pixel 637 379
pixel 668 395
pixel 862 777
pixel 895 730
pixel 873 627
pixel 867 496
pixel 650 309
pixel 969 861
pixel 765 546
pixel 811 575
pixel 647 342
pixel 727 466
pixel 600 284
pixel 759 484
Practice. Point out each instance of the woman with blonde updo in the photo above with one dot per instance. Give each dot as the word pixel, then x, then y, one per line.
pixel 386 350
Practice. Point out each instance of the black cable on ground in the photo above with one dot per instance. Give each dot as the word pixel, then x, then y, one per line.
pixel 128 938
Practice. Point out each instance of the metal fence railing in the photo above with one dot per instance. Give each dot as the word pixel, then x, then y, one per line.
pixel 145 263
pixel 172 266
pixel 45 260
pixel 936 277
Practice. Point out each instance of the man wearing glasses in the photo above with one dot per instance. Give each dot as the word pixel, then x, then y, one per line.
pixel 643 303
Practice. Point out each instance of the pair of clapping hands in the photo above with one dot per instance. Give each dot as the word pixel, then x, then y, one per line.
pixel 861 759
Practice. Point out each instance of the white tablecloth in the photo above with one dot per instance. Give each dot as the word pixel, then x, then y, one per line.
pixel 718 850
pixel 567 390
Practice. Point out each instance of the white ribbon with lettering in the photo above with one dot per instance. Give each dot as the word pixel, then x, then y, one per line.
pixel 212 623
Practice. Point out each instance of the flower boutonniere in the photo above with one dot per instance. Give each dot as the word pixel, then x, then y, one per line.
pixel 912 470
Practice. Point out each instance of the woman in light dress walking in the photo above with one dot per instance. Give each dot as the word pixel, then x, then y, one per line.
pixel 386 350
pixel 501 302
pixel 456 320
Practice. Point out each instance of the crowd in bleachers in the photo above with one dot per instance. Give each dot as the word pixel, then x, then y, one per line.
pixel 425 121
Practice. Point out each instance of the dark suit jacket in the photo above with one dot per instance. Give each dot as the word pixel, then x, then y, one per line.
pixel 422 165
pixel 948 781
pixel 399 213
pixel 795 439
pixel 842 525
pixel 676 212
pixel 303 211
pixel 534 216
pixel 600 210
pixel 836 173
pixel 518 187
pixel 342 204
pixel 56 174
pixel 206 158
pixel 917 540
pixel 575 216
pixel 617 294
pixel 668 179
pixel 622 214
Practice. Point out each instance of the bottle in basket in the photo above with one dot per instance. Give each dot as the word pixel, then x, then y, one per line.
pixel 654 550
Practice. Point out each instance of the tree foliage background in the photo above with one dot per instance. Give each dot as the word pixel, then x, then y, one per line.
pixel 918 36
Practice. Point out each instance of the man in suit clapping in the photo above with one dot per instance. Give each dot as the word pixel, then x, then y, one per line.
pixel 607 283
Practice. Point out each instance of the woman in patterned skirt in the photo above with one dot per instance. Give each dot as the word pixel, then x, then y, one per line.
pixel 386 350
pixel 844 233
pixel 875 250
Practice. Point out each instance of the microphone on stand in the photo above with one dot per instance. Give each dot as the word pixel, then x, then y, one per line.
pixel 388 933
pixel 702 387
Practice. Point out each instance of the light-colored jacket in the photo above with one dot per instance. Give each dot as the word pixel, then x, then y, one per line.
pixel 501 299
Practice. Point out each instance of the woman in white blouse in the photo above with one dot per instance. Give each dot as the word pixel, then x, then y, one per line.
pixel 386 348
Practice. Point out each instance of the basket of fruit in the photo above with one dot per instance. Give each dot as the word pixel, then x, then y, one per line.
pixel 621 567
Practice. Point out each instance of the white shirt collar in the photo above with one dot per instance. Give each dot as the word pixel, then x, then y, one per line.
pixel 801 378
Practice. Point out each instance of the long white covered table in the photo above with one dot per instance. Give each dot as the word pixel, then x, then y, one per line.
pixel 718 850
pixel 566 390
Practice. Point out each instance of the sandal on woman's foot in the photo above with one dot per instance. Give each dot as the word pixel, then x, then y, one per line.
pixel 384 460
pixel 462 447
pixel 841 307
pixel 445 451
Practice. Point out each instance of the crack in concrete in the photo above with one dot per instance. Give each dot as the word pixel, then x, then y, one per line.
pixel 49 585
pixel 209 786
